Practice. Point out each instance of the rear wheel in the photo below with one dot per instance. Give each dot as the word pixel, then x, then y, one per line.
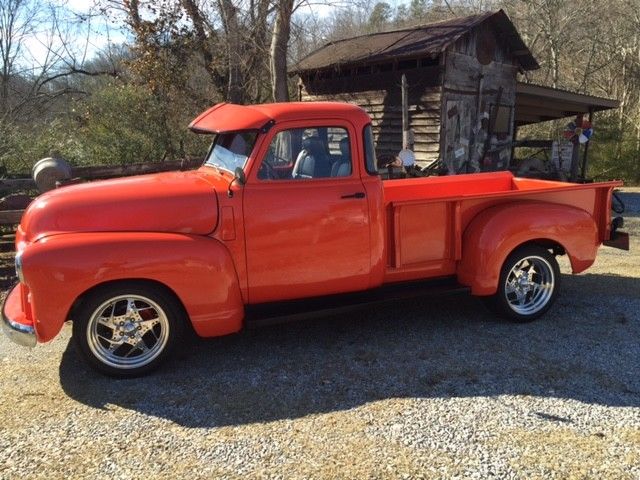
pixel 528 285
pixel 128 329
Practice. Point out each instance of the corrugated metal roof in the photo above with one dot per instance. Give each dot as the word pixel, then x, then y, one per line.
pixel 537 103
pixel 425 40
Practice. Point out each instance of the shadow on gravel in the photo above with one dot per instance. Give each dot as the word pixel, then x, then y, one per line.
pixel 587 348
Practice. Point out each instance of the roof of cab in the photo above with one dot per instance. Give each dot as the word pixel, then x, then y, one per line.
pixel 229 117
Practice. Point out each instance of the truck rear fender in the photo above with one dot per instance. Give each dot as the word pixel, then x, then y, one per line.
pixel 497 231
pixel 199 270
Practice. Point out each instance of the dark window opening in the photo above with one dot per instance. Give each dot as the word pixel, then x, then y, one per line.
pixel 429 62
pixel 325 74
pixel 407 64
pixel 503 118
pixel 363 70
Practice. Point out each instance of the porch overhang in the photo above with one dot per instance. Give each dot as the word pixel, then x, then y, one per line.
pixel 535 104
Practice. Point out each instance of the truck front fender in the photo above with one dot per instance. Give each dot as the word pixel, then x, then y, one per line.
pixel 199 270
pixel 496 232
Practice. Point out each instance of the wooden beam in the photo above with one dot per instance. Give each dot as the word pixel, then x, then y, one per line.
pixel 7 271
pixel 17 184
pixel 418 78
pixel 7 246
pixel 534 143
pixel 552 104
pixel 543 111
pixel 97 172
pixel 522 119
pixel 10 217
pixel 134 169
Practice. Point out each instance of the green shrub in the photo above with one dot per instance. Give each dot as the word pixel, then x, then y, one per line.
pixel 117 124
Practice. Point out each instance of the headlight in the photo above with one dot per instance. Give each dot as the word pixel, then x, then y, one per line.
pixel 19 266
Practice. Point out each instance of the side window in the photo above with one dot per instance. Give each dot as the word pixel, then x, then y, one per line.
pixel 304 153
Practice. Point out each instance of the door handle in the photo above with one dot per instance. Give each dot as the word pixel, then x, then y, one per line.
pixel 354 195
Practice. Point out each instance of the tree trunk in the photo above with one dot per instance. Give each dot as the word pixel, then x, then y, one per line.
pixel 206 42
pixel 259 42
pixel 234 57
pixel 278 51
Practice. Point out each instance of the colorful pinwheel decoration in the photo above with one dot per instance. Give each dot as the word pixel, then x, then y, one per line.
pixel 579 131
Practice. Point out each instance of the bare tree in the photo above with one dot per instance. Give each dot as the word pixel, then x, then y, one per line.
pixel 278 52
pixel 31 80
pixel 231 25
pixel 18 22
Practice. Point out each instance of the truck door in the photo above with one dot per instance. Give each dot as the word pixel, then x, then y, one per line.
pixel 306 214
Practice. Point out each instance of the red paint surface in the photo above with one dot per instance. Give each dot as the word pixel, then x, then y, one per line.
pixel 227 117
pixel 165 202
pixel 198 269
pixel 499 230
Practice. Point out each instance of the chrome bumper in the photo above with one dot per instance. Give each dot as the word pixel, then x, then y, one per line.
pixel 19 333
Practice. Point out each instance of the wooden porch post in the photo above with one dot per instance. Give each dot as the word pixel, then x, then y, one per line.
pixel 583 173
pixel 405 113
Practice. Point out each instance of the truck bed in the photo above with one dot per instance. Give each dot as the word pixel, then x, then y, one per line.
pixel 426 217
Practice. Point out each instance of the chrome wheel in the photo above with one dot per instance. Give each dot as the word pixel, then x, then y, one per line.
pixel 127 331
pixel 529 285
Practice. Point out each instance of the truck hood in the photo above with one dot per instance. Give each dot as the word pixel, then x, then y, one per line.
pixel 181 202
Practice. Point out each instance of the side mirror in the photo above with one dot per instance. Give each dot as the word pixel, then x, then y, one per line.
pixel 239 176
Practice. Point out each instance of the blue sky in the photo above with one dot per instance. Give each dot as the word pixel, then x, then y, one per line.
pixel 84 40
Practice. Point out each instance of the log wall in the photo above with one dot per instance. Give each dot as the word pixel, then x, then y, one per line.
pixel 384 105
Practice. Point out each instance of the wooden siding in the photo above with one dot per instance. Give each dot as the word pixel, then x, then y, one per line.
pixel 479 73
pixel 386 119
pixel 383 104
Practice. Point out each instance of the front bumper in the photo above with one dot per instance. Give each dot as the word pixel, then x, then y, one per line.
pixel 15 324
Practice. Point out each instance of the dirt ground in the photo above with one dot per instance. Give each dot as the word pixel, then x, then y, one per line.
pixel 432 388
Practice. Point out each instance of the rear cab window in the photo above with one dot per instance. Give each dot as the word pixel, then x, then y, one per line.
pixel 371 163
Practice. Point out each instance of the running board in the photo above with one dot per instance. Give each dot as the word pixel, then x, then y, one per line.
pixel 282 312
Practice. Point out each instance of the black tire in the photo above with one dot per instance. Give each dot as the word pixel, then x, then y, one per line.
pixel 128 329
pixel 525 300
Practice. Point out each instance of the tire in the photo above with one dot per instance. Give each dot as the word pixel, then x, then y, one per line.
pixel 128 329
pixel 523 299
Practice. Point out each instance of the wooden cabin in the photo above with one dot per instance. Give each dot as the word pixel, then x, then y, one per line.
pixel 461 91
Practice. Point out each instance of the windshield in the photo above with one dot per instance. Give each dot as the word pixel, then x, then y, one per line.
pixel 231 150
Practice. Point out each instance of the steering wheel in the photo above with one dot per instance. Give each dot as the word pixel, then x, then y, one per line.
pixel 269 167
pixel 277 160
pixel 267 171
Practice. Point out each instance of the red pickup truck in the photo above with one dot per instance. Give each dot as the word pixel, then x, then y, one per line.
pixel 286 216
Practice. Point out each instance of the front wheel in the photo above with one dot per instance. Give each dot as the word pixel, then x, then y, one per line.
pixel 528 285
pixel 127 329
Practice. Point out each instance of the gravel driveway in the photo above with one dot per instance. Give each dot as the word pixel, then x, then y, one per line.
pixel 430 388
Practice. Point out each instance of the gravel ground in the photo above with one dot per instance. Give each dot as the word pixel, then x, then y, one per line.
pixel 434 388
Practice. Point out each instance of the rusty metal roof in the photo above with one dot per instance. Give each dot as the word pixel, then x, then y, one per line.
pixel 422 41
